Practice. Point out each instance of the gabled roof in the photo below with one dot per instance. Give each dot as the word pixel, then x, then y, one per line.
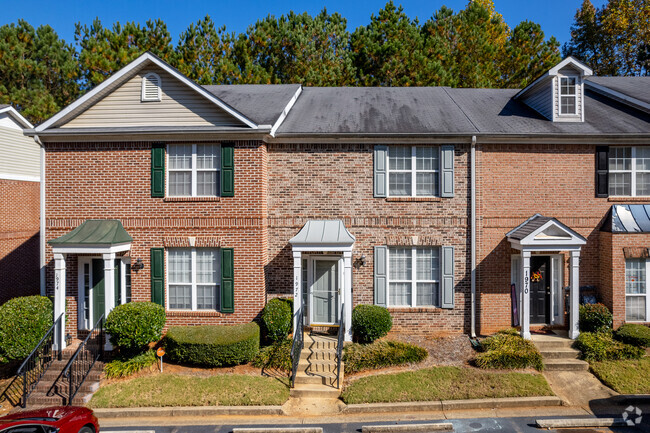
pixel 554 71
pixel 6 108
pixel 633 91
pixel 95 232
pixel 545 233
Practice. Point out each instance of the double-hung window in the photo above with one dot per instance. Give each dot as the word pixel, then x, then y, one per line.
pixel 413 277
pixel 194 170
pixel 568 96
pixel 413 171
pixel 194 278
pixel 629 171
pixel 636 291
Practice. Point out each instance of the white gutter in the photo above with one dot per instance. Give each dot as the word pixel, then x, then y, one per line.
pixel 473 236
pixel 42 215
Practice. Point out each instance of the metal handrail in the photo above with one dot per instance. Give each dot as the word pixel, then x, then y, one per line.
pixel 339 346
pixel 296 346
pixel 37 363
pixel 84 359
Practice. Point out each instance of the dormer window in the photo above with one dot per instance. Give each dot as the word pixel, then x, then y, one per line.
pixel 151 88
pixel 568 96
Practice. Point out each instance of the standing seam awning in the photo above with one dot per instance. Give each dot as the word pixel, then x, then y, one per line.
pixel 95 232
pixel 325 233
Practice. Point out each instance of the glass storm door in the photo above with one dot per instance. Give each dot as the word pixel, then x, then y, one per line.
pixel 325 292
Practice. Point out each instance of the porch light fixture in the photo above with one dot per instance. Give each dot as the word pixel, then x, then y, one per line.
pixel 360 261
pixel 138 265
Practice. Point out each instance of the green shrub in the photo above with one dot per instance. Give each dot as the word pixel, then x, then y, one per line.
pixel 506 350
pixel 359 357
pixel 595 318
pixel 123 367
pixel 276 319
pixel 213 345
pixel 370 322
pixel 600 346
pixel 509 331
pixel 23 323
pixel 277 356
pixel 134 325
pixel 634 334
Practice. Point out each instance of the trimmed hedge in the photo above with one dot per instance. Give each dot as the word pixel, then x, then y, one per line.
pixel 23 323
pixel 595 318
pixel 359 357
pixel 634 334
pixel 128 366
pixel 213 345
pixel 277 356
pixel 134 325
pixel 506 350
pixel 276 319
pixel 600 346
pixel 370 322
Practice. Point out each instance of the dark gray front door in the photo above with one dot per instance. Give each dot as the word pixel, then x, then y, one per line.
pixel 540 289
pixel 325 292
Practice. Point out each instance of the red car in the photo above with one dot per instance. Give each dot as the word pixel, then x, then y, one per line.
pixel 62 419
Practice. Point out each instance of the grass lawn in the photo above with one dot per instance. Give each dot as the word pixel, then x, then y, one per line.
pixel 444 383
pixel 181 390
pixel 625 376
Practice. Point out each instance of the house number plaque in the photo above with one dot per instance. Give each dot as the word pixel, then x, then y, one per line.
pixel 526 280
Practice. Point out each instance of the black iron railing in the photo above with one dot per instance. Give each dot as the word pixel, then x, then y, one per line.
pixel 339 346
pixel 83 360
pixel 296 346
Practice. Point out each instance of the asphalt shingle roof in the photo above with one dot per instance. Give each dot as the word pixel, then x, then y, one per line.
pixel 528 227
pixel 635 87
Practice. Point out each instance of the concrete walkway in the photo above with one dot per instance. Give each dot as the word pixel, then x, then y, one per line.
pixel 580 389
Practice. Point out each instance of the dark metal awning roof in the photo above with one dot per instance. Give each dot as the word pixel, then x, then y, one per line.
pixel 95 232
pixel 630 218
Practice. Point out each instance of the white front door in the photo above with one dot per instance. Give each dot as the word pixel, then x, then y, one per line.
pixel 324 293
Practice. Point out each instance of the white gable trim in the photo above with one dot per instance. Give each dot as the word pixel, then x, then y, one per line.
pixel 17 116
pixel 571 242
pixel 582 70
pixel 127 70
pixel 285 112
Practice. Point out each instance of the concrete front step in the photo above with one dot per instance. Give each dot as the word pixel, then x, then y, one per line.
pixel 318 354
pixel 319 342
pixel 318 366
pixel 565 365
pixel 314 391
pixel 562 353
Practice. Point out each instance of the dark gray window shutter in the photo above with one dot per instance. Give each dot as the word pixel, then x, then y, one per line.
pixel 447 170
pixel 381 153
pixel 381 280
pixel 227 280
pixel 158 170
pixel 228 169
pixel 158 276
pixel 602 171
pixel 447 277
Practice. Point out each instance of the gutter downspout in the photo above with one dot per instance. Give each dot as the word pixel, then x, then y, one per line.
pixel 42 216
pixel 473 236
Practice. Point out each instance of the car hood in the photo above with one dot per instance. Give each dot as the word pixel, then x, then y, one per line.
pixel 53 413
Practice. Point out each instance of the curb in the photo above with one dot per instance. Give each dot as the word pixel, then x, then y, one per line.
pixel 580 422
pixel 408 428
pixel 146 412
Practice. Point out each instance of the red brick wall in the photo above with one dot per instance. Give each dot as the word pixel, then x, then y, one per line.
pixel 19 240
pixel 335 181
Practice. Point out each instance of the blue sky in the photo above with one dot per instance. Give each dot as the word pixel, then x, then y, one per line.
pixel 555 16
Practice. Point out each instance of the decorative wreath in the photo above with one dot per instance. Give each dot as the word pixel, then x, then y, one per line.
pixel 536 277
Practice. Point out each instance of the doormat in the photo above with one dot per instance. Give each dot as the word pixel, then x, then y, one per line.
pixel 542 332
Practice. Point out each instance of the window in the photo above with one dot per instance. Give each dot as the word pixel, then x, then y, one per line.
pixel 194 170
pixel 151 88
pixel 568 95
pixel 413 277
pixel 194 278
pixel 629 171
pixel 413 171
pixel 636 291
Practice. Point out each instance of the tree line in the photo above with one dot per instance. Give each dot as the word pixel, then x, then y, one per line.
pixel 40 73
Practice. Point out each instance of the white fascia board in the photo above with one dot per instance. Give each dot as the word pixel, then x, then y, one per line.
pixel 20 177
pixel 321 247
pixel 574 240
pixel 586 70
pixel 90 249
pixel 286 110
pixel 628 100
pixel 146 57
pixel 17 116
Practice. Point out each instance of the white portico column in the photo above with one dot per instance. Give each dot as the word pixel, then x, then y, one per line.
pixel 59 300
pixel 574 293
pixel 525 294
pixel 109 289
pixel 347 293
pixel 297 290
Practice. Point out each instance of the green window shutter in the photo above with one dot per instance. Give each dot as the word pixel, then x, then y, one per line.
pixel 447 170
pixel 227 169
pixel 602 171
pixel 158 276
pixel 381 275
pixel 227 280
pixel 380 170
pixel 158 170
pixel 447 277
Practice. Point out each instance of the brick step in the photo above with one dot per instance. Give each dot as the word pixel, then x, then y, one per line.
pixel 566 365
pixel 52 375
pixel 39 399
pixel 318 354
pixel 61 387
pixel 560 354
pixel 314 391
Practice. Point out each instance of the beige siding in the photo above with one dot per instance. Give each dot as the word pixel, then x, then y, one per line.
pixel 541 101
pixel 579 90
pixel 19 155
pixel 180 106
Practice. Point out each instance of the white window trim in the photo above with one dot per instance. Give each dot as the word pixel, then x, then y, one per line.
pixel 193 284
pixel 645 295
pixel 575 96
pixel 413 281
pixel 193 169
pixel 633 172
pixel 414 172
pixel 147 78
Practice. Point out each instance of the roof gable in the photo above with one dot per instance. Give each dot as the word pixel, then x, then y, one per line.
pixel 10 111
pixel 545 232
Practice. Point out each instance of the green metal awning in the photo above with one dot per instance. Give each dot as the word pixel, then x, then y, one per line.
pixel 95 232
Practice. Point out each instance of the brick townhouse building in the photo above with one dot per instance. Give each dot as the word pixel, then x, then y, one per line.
pixel 461 210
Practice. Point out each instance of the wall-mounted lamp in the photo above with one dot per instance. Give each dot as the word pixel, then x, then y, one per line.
pixel 138 265
pixel 360 261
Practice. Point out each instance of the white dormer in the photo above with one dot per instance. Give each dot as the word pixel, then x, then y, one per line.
pixel 558 95
pixel 151 88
